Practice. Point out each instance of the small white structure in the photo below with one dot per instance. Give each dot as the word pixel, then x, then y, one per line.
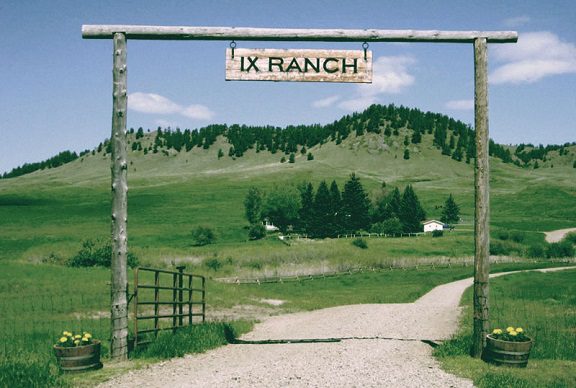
pixel 269 226
pixel 432 225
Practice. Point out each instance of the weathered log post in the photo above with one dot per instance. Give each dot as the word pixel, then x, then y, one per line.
pixel 481 192
pixel 119 290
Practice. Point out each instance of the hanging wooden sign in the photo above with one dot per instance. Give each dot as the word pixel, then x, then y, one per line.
pixel 299 65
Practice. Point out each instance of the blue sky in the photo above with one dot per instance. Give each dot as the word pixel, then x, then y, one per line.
pixel 56 88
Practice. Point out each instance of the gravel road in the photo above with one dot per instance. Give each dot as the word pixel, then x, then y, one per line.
pixel 381 346
pixel 557 235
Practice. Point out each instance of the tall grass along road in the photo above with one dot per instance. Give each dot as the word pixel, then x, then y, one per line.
pixel 375 345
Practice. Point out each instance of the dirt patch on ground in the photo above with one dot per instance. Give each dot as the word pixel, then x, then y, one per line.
pixel 558 235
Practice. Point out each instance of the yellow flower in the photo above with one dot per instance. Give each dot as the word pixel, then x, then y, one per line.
pixel 77 336
pixel 519 330
pixel 88 335
pixel 497 331
pixel 67 333
pixel 513 333
pixel 509 329
pixel 63 339
pixel 84 339
pixel 76 342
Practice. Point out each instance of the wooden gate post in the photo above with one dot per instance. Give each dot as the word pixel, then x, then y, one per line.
pixel 481 192
pixel 119 290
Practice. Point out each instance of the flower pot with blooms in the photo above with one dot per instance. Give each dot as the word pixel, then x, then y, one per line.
pixel 510 347
pixel 77 352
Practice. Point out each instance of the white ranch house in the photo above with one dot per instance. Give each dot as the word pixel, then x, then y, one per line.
pixel 432 225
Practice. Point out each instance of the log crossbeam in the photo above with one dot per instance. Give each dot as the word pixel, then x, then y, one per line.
pixel 90 31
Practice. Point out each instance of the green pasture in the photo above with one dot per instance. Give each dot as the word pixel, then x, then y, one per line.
pixel 47 214
pixel 544 305
pixel 39 301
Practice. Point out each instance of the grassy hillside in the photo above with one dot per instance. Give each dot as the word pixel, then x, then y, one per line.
pixel 46 214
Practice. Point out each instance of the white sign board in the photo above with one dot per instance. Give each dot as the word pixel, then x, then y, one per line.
pixel 299 65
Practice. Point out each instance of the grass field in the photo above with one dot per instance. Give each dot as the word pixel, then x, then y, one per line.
pixel 47 214
pixel 545 306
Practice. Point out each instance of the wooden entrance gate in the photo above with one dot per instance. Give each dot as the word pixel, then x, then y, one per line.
pixel 121 33
pixel 182 294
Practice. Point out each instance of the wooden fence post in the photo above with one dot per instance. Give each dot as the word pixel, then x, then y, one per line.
pixel 119 290
pixel 180 294
pixel 481 192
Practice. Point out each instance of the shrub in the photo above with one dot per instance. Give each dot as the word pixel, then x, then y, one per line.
pixel 360 243
pixel 570 237
pixel 499 248
pixel 213 264
pixel 560 249
pixel 389 226
pixel 254 264
pixel 203 235
pixel 517 237
pixel 256 232
pixel 503 235
pixel 536 251
pixel 97 254
pixel 437 233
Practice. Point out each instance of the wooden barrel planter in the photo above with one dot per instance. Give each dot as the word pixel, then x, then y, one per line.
pixel 79 358
pixel 514 354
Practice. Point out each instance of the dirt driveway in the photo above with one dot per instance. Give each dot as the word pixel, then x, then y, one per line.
pixel 376 345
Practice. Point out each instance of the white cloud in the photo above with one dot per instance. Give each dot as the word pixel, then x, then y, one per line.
pixel 325 102
pixel 196 111
pixel 157 104
pixel 517 21
pixel 460 104
pixel 390 76
pixel 152 103
pixel 535 56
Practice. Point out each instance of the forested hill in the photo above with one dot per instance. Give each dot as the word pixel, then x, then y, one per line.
pixel 453 139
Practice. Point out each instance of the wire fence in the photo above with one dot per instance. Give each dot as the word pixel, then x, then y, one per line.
pixel 426 263
pixel 33 323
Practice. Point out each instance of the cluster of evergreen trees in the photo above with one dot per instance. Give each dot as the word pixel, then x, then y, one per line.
pixel 527 153
pixel 327 212
pixel 55 161
pixel 452 137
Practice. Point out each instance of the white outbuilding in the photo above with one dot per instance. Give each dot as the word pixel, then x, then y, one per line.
pixel 432 225
pixel 269 226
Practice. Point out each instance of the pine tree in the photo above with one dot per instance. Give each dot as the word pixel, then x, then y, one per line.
pixel 307 209
pixel 411 212
pixel 451 211
pixel 416 137
pixel 355 205
pixel 335 209
pixel 322 214
pixel 292 157
pixel 406 154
